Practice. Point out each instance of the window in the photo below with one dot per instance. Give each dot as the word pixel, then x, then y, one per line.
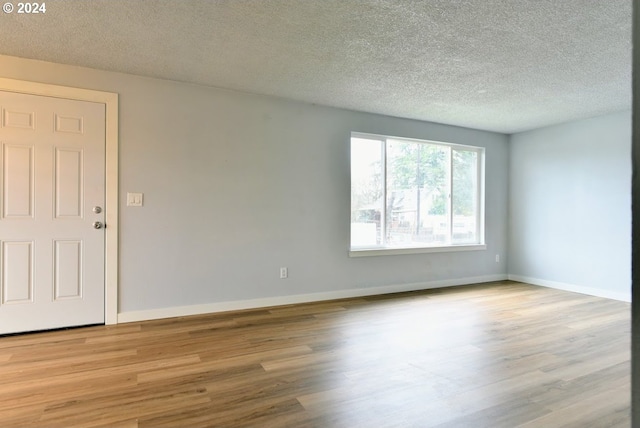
pixel 416 195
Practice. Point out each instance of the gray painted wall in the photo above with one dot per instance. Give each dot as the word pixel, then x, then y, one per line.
pixel 570 204
pixel 237 185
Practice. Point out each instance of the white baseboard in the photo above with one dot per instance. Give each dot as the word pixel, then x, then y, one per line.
pixel 615 295
pixel 207 308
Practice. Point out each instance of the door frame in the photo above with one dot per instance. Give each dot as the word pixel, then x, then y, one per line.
pixel 110 100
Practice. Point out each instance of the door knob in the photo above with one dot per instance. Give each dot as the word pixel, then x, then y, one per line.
pixel 98 225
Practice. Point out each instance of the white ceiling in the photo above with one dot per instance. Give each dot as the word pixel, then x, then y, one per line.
pixel 500 65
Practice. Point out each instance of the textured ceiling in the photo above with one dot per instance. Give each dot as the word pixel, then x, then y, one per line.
pixel 500 65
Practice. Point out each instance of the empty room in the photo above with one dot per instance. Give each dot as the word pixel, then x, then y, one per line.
pixel 291 213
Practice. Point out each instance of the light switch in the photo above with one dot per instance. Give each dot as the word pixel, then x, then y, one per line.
pixel 134 199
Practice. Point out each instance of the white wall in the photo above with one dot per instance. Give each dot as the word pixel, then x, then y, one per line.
pixel 237 185
pixel 570 206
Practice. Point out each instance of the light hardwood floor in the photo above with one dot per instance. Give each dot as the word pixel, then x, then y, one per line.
pixel 491 355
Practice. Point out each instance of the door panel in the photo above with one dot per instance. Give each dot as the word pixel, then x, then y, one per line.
pixel 53 174
pixel 18 181
pixel 17 267
pixel 68 265
pixel 18 119
pixel 68 179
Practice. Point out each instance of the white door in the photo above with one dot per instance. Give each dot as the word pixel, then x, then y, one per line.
pixel 52 191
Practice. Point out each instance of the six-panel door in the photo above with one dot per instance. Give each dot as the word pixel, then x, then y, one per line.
pixel 52 191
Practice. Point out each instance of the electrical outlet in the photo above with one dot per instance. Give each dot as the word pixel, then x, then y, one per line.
pixel 284 273
pixel 497 258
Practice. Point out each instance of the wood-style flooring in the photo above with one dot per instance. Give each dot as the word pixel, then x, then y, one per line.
pixel 490 355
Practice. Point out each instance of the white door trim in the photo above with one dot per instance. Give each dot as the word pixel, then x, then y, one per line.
pixel 110 100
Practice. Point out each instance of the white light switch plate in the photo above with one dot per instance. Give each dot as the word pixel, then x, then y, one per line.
pixel 134 199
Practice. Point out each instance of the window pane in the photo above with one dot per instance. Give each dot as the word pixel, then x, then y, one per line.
pixel 417 194
pixel 465 198
pixel 366 192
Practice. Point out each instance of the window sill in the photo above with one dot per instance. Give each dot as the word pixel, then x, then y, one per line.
pixel 367 252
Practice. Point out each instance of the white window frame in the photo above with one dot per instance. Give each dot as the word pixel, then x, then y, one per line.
pixel 381 250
